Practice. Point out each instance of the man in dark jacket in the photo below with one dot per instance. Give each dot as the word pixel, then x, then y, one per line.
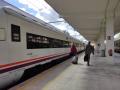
pixel 89 49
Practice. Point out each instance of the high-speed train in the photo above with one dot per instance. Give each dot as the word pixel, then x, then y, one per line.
pixel 117 46
pixel 26 41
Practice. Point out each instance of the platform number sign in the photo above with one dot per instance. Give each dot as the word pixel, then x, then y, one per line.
pixel 15 33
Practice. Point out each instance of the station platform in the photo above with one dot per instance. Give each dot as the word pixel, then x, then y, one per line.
pixel 102 74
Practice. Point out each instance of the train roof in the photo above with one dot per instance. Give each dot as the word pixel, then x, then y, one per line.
pixel 19 13
pixel 30 18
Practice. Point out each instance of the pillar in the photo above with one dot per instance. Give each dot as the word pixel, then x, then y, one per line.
pixel 110 36
pixel 101 44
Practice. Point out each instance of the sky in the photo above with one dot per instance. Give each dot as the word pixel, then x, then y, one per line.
pixel 41 10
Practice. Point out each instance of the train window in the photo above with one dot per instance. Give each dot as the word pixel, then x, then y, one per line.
pixel 51 42
pixel 45 40
pixel 66 44
pixel 2 34
pixel 55 43
pixel 38 41
pixel 15 33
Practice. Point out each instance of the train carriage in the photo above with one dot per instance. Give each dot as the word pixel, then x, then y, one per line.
pixel 117 46
pixel 26 41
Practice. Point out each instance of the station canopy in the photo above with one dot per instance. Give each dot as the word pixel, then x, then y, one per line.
pixel 88 16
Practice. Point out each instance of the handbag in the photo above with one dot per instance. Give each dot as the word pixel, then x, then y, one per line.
pixel 85 58
pixel 75 60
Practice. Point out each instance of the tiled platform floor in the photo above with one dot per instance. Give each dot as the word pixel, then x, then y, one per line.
pixel 101 75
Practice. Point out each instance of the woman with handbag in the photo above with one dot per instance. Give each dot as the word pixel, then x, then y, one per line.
pixel 73 53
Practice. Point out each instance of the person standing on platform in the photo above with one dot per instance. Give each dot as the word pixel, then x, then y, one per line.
pixel 73 50
pixel 73 54
pixel 88 50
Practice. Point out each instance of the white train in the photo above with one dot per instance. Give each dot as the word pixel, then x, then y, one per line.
pixel 25 42
pixel 117 46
